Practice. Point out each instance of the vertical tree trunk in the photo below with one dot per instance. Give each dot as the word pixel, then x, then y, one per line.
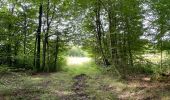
pixel 56 53
pixel 99 33
pixel 46 39
pixel 129 37
pixel 25 36
pixel 35 49
pixel 110 36
pixel 130 55
pixel 9 46
pixel 161 46
pixel 39 39
pixel 113 34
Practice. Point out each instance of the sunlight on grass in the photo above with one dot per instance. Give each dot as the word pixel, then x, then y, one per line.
pixel 36 78
pixel 77 60
pixel 155 58
pixel 63 93
pixel 81 65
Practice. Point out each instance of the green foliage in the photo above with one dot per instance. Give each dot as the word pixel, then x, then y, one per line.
pixel 61 63
pixel 84 68
pixel 3 69
pixel 143 68
pixel 110 31
pixel 166 66
pixel 24 62
pixel 76 52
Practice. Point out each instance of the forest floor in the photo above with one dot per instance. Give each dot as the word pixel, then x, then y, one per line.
pixel 80 82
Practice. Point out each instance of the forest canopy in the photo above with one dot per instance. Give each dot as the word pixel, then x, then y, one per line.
pixel 126 34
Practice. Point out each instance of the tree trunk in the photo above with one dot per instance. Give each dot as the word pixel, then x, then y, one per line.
pixel 56 53
pixel 99 34
pixel 25 36
pixel 39 39
pixel 129 37
pixel 46 39
pixel 9 46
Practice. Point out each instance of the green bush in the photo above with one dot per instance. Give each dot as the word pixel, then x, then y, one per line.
pixel 143 68
pixel 61 62
pixel 76 52
pixel 20 63
pixel 4 69
pixel 166 66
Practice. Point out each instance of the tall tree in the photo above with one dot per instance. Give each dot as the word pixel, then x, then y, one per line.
pixel 38 38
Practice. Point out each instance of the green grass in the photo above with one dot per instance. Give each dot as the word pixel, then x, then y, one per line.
pixel 85 68
pixel 58 86
pixel 43 86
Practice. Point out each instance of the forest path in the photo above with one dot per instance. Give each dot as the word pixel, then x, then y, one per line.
pixel 80 82
pixel 79 87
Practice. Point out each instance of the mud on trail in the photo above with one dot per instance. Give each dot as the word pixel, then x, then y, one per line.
pixel 64 86
pixel 79 88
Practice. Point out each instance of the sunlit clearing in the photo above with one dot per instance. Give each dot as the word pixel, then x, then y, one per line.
pixel 63 93
pixel 77 60
pixel 36 78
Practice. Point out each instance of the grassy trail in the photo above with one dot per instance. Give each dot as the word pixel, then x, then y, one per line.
pixel 81 81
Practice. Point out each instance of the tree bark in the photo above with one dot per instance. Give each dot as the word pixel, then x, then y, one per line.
pixel 9 46
pixel 99 33
pixel 46 39
pixel 56 53
pixel 25 36
pixel 39 39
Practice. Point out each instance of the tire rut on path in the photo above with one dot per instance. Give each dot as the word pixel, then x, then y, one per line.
pixel 79 87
